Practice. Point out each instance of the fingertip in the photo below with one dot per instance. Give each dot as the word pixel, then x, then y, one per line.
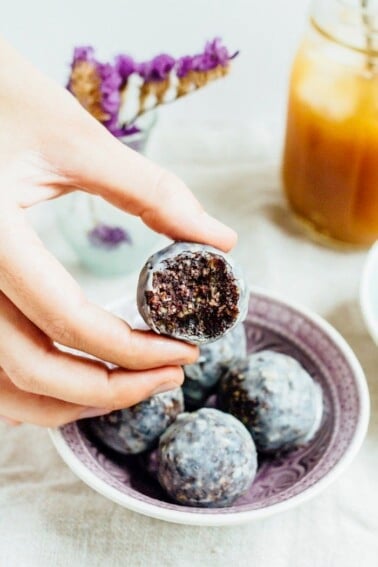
pixel 188 353
pixel 221 235
pixel 193 354
pixel 166 350
pixel 170 383
pixel 232 239
pixel 174 374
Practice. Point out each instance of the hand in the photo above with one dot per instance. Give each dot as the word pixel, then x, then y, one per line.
pixel 49 145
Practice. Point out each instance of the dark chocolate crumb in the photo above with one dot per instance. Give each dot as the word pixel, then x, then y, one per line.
pixel 196 293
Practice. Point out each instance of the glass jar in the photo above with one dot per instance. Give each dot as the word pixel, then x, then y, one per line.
pixel 330 163
pixel 106 240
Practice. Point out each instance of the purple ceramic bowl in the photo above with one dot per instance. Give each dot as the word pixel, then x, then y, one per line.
pixel 282 482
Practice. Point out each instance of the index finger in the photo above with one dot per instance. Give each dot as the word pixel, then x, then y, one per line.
pixel 137 185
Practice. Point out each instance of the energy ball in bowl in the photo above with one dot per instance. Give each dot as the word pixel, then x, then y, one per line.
pixel 275 398
pixel 202 376
pixel 192 292
pixel 135 429
pixel 206 458
pixel 149 461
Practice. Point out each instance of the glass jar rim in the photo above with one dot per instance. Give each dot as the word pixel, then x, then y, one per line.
pixel 357 5
pixel 348 23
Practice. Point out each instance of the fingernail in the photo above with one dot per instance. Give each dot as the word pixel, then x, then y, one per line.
pixel 187 360
pixel 185 353
pixel 8 421
pixel 93 412
pixel 165 387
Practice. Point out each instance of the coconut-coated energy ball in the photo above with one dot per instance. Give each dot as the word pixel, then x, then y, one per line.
pixel 206 458
pixel 202 376
pixel 135 429
pixel 192 292
pixel 275 398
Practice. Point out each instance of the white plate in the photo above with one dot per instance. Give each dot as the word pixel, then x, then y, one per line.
pixel 369 292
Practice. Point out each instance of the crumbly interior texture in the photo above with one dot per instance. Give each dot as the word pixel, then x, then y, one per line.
pixel 195 294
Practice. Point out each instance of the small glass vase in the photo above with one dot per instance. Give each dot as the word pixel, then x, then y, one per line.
pixel 106 240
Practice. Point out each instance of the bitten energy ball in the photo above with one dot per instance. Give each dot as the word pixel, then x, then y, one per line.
pixel 191 292
pixel 136 429
pixel 202 376
pixel 275 398
pixel 206 458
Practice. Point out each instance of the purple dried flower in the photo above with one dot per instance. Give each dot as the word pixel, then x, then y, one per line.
pixel 184 65
pixel 107 81
pixel 111 96
pixel 108 237
pixel 215 54
pixel 130 130
pixel 99 86
pixel 125 65
pixel 157 69
pixel 124 130
pixel 83 53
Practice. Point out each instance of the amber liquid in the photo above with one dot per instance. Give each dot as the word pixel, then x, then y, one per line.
pixel 330 166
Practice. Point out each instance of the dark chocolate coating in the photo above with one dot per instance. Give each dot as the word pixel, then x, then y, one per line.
pixel 206 458
pixel 192 292
pixel 136 429
pixel 202 376
pixel 275 398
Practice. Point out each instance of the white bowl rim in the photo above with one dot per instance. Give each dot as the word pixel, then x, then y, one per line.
pixel 370 266
pixel 233 518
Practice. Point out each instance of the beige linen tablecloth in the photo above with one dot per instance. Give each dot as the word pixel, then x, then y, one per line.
pixel 50 518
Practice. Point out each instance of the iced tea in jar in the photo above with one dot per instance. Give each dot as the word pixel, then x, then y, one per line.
pixel 330 163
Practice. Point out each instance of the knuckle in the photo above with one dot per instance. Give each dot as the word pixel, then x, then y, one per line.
pixel 120 343
pixel 31 378
pixel 133 352
pixel 111 399
pixel 115 396
pixel 105 395
pixel 61 331
pixel 23 379
pixel 66 327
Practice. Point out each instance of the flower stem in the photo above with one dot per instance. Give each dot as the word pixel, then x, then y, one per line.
pixel 367 23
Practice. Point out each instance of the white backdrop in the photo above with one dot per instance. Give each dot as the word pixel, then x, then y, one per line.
pixel 265 31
